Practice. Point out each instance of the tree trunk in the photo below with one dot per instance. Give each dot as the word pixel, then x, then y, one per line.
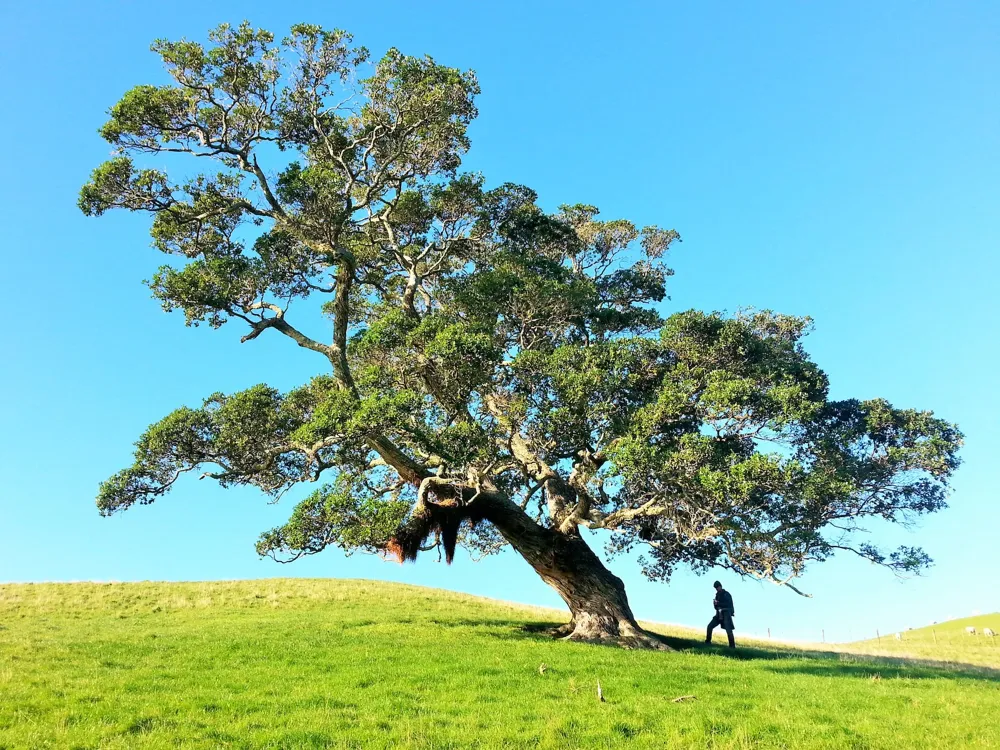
pixel 595 596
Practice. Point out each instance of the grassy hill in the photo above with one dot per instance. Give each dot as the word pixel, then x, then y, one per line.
pixel 943 641
pixel 328 663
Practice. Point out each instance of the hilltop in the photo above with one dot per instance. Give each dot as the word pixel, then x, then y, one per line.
pixel 942 641
pixel 295 663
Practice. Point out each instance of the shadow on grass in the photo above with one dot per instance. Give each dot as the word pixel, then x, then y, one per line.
pixel 788 660
pixel 482 622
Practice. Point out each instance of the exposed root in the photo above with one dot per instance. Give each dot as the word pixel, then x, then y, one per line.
pixel 627 636
pixel 563 630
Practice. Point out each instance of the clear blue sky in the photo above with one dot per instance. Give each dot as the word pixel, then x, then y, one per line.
pixel 833 159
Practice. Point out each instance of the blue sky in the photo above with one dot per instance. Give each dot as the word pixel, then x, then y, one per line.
pixel 839 160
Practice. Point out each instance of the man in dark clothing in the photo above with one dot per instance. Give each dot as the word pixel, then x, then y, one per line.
pixel 724 612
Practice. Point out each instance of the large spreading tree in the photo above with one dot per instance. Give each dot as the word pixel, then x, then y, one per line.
pixel 491 374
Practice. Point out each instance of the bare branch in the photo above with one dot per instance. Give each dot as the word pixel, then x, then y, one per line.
pixel 279 323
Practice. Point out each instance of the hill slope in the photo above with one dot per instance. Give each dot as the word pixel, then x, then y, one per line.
pixel 326 663
pixel 943 641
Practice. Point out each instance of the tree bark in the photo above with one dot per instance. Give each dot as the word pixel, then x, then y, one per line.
pixel 595 596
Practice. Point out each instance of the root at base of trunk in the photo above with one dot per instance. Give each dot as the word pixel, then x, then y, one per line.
pixel 623 634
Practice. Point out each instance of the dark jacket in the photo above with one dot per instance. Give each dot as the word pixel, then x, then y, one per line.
pixel 724 600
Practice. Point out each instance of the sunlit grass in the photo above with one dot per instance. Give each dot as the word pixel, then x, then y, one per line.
pixel 946 641
pixel 315 663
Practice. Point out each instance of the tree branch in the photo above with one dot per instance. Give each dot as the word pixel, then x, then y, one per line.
pixel 279 323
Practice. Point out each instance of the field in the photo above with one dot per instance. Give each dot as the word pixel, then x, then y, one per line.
pixel 313 664
pixel 945 641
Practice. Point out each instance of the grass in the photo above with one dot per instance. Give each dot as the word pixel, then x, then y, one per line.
pixel 349 664
pixel 945 641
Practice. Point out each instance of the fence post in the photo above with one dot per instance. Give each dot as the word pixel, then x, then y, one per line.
pixel 878 637
pixel 769 633
pixel 934 633
pixel 824 635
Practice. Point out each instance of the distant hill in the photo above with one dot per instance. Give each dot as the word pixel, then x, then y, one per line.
pixel 298 663
pixel 943 641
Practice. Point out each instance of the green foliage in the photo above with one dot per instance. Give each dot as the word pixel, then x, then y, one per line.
pixel 250 435
pixel 479 342
pixel 576 392
pixel 437 106
pixel 205 289
pixel 203 225
pixel 146 113
pixel 116 184
pixel 346 514
pixel 463 355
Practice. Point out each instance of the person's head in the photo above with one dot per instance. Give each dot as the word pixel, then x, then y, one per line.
pixel 718 586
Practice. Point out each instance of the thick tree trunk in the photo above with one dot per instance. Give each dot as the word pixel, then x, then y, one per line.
pixel 595 596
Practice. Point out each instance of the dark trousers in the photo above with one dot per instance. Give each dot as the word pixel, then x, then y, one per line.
pixel 724 618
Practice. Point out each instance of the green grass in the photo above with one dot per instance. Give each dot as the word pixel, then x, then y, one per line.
pixel 945 641
pixel 315 664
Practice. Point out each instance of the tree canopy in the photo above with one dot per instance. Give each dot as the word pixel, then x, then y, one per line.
pixel 493 371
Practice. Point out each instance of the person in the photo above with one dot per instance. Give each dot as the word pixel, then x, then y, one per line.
pixel 724 612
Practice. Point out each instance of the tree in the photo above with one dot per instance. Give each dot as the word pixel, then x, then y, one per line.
pixel 494 374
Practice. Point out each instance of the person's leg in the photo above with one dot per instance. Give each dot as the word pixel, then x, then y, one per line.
pixel 729 627
pixel 711 626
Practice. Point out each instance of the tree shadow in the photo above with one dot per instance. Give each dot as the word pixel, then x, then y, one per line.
pixel 791 660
